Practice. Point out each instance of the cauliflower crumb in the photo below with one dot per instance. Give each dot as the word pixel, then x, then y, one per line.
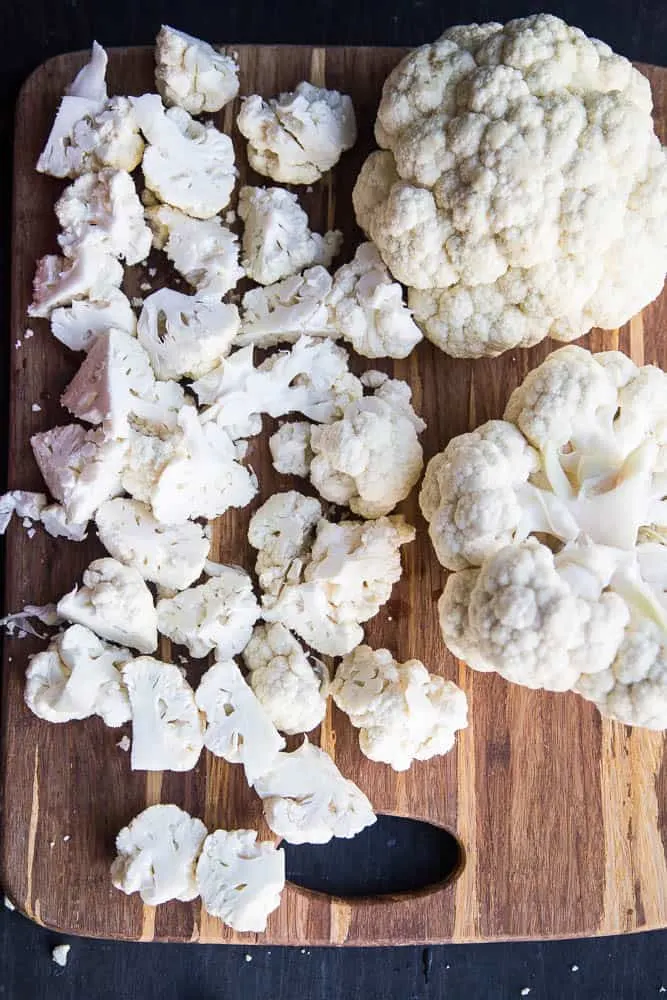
pixel 28 334
pixel 60 954
pixel 124 743
pixel 8 903
pixel 36 408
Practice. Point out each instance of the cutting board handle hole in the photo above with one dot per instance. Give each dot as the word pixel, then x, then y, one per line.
pixel 396 856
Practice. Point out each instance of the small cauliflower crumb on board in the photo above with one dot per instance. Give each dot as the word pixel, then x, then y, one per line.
pixel 60 954
pixel 75 780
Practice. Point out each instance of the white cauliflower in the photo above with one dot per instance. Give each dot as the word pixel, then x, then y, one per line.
pixel 81 468
pixel 192 74
pixel 170 555
pixel 77 325
pixel 204 251
pixel 297 137
pixel 114 603
pixel 240 879
pixel 284 311
pixel 103 211
pixel 55 522
pixel 282 530
pixel 404 713
pixel 167 730
pixel 157 855
pixel 238 728
pixel 76 676
pixel 185 334
pixel 290 448
pixel 293 692
pixel 90 82
pixel 217 616
pixel 521 191
pixel 308 801
pixel 92 274
pixel 186 164
pixel 277 241
pixel 23 503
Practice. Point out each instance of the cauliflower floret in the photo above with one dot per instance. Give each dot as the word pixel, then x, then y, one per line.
pixel 240 879
pixel 293 692
pixel 157 854
pixel 55 522
pixel 167 730
pixel 238 728
pixel 290 449
pixel 186 164
pixel 282 312
pixel 297 137
pixel 404 713
pixel 204 251
pixel 277 241
pixel 103 211
pixel 216 616
pixel 308 801
pixel 22 503
pixel 76 326
pixel 76 676
pixel 521 191
pixel 114 603
pixel 92 274
pixel 192 74
pixel 170 555
pixel 90 82
pixel 281 530
pixel 185 334
pixel 368 460
pixel 81 468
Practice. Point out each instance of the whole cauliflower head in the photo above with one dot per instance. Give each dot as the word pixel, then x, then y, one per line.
pixel 520 191
pixel 192 74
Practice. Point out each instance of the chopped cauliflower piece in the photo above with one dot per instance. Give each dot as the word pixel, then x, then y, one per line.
pixel 204 251
pixel 93 274
pixel 292 692
pixel 192 74
pixel 240 879
pixel 77 325
pixel 103 211
pixel 404 713
pixel 167 730
pixel 55 522
pixel 22 503
pixel 277 241
pixel 282 530
pixel 282 312
pixel 60 954
pixel 186 164
pixel 157 854
pixel 170 555
pixel 216 616
pixel 114 603
pixel 290 449
pixel 81 468
pixel 77 676
pixel 238 728
pixel 297 137
pixel 185 334
pixel 308 801
pixel 90 82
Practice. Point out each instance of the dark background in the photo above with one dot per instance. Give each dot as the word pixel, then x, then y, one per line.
pixel 622 968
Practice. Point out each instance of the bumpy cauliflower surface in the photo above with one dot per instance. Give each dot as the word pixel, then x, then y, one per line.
pixel 290 448
pixel 204 251
pixel 404 713
pixel 240 879
pixel 520 191
pixel 192 74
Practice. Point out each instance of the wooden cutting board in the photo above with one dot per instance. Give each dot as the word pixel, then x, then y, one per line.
pixel 561 815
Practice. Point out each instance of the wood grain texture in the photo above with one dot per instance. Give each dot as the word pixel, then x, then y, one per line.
pixel 561 815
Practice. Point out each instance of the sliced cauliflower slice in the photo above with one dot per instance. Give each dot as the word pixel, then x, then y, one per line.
pixel 192 74
pixel 282 530
pixel 240 879
pixel 55 522
pixel 185 334
pixel 282 312
pixel 93 274
pixel 186 164
pixel 157 854
pixel 308 801
pixel 114 603
pixel 216 616
pixel 77 325
pixel 90 82
pixel 293 692
pixel 238 728
pixel 167 730
pixel 277 241
pixel 404 713
pixel 291 452
pixel 170 555
pixel 103 210
pixel 81 468
pixel 204 251
pixel 77 676
pixel 297 137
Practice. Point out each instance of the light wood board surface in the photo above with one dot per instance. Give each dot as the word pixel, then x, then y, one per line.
pixel 561 815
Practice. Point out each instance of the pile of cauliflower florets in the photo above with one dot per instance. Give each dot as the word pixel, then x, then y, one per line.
pixel 520 192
